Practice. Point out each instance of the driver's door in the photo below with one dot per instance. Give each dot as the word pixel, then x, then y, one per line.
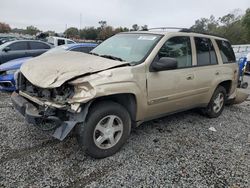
pixel 172 90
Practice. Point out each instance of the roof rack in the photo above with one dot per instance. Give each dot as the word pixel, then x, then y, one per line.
pixel 204 33
pixel 168 28
pixel 182 29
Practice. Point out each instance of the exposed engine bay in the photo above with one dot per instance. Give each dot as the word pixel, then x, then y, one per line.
pixel 58 95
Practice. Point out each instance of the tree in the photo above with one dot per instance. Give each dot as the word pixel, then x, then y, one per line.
pixel 106 32
pixel 135 27
pixel 72 32
pixel 200 25
pixel 4 28
pixel 232 26
pixel 31 30
pixel 103 24
pixel 89 33
pixel 144 27
pixel 246 24
pixel 20 31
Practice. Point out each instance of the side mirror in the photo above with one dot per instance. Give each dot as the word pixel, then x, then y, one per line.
pixel 164 63
pixel 6 49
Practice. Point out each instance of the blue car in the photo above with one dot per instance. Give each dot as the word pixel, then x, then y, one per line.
pixel 7 70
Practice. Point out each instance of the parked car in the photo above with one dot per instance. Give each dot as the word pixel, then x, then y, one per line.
pixel 8 69
pixel 128 79
pixel 22 48
pixel 58 41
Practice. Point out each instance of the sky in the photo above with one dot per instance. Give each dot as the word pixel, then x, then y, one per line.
pixel 57 15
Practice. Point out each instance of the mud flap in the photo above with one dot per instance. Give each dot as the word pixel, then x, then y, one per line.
pixel 62 131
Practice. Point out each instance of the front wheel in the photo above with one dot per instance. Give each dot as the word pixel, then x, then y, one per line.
pixel 106 129
pixel 217 103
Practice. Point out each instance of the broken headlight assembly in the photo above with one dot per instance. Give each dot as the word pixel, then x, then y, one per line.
pixel 82 92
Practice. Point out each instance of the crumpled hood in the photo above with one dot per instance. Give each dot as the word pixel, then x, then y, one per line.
pixel 53 70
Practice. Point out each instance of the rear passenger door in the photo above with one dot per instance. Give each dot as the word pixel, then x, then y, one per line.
pixel 37 48
pixel 18 49
pixel 207 70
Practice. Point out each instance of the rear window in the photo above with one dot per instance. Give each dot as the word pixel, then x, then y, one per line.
pixel 38 46
pixel 226 51
pixel 205 52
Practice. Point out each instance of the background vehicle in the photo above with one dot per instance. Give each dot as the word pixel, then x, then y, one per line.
pixel 58 41
pixel 241 50
pixel 128 79
pixel 22 48
pixel 7 70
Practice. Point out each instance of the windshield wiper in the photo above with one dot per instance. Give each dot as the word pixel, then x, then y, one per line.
pixel 92 53
pixel 112 57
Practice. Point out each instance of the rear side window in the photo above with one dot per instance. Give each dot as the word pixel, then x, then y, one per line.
pixel 70 42
pixel 226 51
pixel 22 45
pixel 83 49
pixel 178 48
pixel 205 52
pixel 38 46
pixel 60 42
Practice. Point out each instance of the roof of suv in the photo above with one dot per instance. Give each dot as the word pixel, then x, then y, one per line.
pixel 178 32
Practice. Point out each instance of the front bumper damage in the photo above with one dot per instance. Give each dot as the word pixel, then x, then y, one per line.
pixel 46 117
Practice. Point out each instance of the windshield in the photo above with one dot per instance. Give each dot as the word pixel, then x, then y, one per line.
pixel 132 48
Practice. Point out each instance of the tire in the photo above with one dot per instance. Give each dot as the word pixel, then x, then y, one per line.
pixel 216 104
pixel 104 120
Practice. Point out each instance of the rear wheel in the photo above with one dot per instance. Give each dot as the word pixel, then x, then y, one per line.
pixel 106 129
pixel 217 103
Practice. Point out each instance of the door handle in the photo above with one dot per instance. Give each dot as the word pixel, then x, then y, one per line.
pixel 190 77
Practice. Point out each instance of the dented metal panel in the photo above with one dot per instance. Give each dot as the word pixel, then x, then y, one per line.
pixel 53 70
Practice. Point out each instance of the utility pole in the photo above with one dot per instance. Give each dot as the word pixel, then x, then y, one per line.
pixel 80 24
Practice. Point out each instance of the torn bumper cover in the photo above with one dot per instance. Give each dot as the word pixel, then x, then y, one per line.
pixel 43 119
pixel 241 96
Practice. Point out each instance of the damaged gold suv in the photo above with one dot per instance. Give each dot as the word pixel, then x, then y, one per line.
pixel 128 79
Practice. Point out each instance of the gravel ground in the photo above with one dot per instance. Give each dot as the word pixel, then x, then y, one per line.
pixel 175 151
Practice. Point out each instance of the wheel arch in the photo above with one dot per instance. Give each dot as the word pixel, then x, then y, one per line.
pixel 127 100
pixel 227 84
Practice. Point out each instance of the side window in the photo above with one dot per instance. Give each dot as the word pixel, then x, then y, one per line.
pixel 22 45
pixel 38 45
pixel 226 51
pixel 60 42
pixel 178 48
pixel 205 52
pixel 70 42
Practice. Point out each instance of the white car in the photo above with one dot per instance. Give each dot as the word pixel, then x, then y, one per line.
pixel 58 41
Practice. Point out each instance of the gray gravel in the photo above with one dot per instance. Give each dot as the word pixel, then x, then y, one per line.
pixel 175 151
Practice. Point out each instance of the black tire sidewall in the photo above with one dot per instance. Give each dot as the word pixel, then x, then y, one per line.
pixel 96 113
